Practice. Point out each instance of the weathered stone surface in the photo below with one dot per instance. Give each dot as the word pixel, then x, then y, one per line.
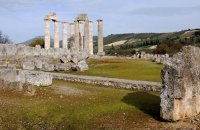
pixel 28 66
pixel 36 78
pixel 47 67
pixel 100 38
pixel 11 66
pixel 78 56
pixel 62 67
pixel 38 64
pixel 65 58
pixel 180 93
pixel 30 58
pixel 82 65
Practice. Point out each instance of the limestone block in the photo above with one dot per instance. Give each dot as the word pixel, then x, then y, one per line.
pixel 47 67
pixel 28 66
pixel 78 56
pixel 21 77
pixel 82 65
pixel 65 58
pixel 38 78
pixel 62 67
pixel 180 95
pixel 11 66
pixel 38 64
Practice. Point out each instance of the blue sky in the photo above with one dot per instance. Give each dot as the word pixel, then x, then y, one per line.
pixel 23 19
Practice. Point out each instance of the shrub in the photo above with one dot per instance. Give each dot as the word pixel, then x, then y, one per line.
pixel 37 41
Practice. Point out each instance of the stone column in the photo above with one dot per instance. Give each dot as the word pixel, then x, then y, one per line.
pixel 76 35
pixel 64 28
pixel 91 37
pixel 56 34
pixel 47 34
pixel 86 36
pixel 72 33
pixel 81 35
pixel 100 38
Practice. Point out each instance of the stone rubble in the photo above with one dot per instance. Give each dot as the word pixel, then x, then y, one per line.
pixel 31 58
pixel 23 65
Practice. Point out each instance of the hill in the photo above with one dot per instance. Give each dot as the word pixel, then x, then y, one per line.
pixel 128 44
pixel 30 40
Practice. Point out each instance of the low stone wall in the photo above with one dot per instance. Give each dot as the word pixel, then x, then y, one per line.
pixel 36 78
pixel 143 56
pixel 116 83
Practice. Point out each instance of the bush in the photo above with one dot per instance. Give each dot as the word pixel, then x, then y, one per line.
pixel 37 41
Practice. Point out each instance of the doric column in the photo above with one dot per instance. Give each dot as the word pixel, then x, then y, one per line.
pixel 100 38
pixel 56 34
pixel 64 40
pixel 47 34
pixel 77 35
pixel 91 37
pixel 86 36
pixel 81 35
pixel 72 33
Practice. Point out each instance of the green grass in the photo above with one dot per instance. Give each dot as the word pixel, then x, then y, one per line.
pixel 98 108
pixel 124 69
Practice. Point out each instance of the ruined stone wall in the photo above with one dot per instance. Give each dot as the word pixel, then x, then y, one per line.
pixel 23 80
pixel 161 59
pixel 14 50
pixel 112 82
pixel 36 78
pixel 180 93
pixel 52 59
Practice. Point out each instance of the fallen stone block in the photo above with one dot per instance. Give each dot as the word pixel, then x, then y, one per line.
pixel 62 67
pixel 82 65
pixel 28 66
pixel 47 67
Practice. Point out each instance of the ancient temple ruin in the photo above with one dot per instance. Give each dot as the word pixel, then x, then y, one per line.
pixel 81 34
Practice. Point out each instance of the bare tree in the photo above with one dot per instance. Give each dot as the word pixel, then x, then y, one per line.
pixel 4 39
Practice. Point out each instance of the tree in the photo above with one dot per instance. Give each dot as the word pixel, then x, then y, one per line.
pixel 37 41
pixel 4 39
pixel 112 47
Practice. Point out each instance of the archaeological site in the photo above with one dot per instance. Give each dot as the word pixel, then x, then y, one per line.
pixel 68 70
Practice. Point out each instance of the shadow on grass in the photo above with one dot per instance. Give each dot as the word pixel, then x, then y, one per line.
pixel 146 102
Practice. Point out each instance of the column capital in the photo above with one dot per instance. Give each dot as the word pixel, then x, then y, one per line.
pixel 99 20
pixel 55 21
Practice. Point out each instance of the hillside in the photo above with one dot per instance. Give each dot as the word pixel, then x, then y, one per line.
pixel 128 44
